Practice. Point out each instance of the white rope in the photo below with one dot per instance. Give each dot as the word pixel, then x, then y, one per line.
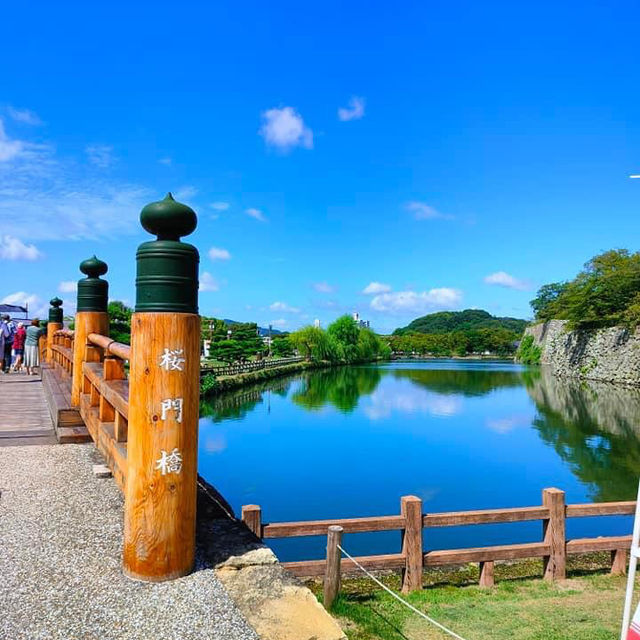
pixel 402 600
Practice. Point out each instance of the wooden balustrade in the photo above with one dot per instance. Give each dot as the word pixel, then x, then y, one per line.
pixel 247 367
pixel 553 548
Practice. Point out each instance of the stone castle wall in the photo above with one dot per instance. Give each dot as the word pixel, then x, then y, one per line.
pixel 610 355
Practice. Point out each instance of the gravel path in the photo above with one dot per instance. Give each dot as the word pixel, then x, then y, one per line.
pixel 60 549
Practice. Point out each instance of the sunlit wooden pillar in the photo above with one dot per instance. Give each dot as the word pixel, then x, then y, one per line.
pixel 54 324
pixel 91 316
pixel 164 386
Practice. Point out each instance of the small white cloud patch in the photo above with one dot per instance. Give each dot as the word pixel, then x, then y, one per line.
pixel 25 116
pixel 14 249
pixel 217 253
pixel 374 288
pixel 285 129
pixel 354 111
pixel 38 308
pixel 9 148
pixel 68 286
pixel 100 155
pixel 255 213
pixel 219 206
pixel 503 279
pixel 283 307
pixel 423 211
pixel 208 282
pixel 417 302
pixel 323 287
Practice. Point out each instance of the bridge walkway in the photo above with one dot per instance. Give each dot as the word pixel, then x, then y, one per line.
pixel 24 414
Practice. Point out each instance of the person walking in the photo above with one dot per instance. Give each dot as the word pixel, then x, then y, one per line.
pixel 4 335
pixel 31 358
pixel 18 346
pixel 8 342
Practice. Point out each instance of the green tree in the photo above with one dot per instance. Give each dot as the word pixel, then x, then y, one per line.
pixel 119 321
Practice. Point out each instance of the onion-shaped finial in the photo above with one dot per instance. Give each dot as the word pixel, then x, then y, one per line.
pixel 93 267
pixel 168 219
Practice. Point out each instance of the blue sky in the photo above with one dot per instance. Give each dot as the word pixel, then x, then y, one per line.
pixel 389 158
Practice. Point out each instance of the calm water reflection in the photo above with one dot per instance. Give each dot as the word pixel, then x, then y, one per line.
pixel 460 434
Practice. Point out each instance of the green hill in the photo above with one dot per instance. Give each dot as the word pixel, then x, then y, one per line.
pixel 469 319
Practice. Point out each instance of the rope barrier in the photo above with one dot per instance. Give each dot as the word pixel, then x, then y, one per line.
pixel 402 600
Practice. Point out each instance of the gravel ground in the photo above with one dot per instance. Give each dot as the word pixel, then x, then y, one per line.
pixel 60 550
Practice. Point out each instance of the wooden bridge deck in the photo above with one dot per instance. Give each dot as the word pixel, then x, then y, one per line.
pixel 24 415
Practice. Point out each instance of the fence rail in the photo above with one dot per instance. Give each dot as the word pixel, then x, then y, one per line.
pixel 412 559
pixel 246 367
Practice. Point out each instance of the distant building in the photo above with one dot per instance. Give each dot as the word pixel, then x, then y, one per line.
pixel 363 324
pixel 316 323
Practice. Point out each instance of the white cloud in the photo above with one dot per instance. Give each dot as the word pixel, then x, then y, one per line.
pixel 166 160
pixel 503 279
pixel 411 400
pixel 256 213
pixel 38 308
pixel 323 287
pixel 216 253
pixel 9 149
pixel 219 206
pixel 13 249
pixel 423 211
pixel 185 193
pixel 24 115
pixel 285 129
pixel 208 282
pixel 373 288
pixel 280 323
pixel 101 155
pixel 354 111
pixel 284 307
pixel 68 286
pixel 417 302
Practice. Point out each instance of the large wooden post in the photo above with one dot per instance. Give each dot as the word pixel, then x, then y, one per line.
pixel 54 324
pixel 91 317
pixel 164 386
pixel 411 508
pixel 331 586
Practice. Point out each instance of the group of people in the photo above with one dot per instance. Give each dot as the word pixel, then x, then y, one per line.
pixel 19 345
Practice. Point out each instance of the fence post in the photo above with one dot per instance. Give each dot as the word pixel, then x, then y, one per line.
pixel 164 392
pixel 411 509
pixel 619 562
pixel 486 574
pixel 331 586
pixel 54 324
pixel 91 317
pixel 252 518
pixel 554 534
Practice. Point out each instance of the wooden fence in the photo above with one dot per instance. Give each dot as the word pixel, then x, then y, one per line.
pixel 246 367
pixel 412 559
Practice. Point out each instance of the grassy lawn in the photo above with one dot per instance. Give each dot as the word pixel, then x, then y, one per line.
pixel 586 606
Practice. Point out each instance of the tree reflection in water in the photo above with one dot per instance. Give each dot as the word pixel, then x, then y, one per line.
pixel 593 426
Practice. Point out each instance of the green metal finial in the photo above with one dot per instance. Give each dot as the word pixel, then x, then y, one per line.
pixel 55 313
pixel 167 269
pixel 93 267
pixel 93 293
pixel 168 219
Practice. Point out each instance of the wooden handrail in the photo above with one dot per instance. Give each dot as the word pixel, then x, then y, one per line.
pixel 117 349
pixel 67 333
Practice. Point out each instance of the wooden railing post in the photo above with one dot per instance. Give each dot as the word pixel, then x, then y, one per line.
pixel 331 586
pixel 411 509
pixel 54 324
pixel 619 562
pixel 554 533
pixel 252 518
pixel 91 317
pixel 164 392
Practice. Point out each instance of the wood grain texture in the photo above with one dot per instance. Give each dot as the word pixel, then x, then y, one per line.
pixel 52 327
pixel 554 535
pixel 86 322
pixel 308 568
pixel 601 509
pixel 485 554
pixel 319 527
pixel 252 518
pixel 160 509
pixel 604 543
pixel 411 510
pixel 619 562
pixel 486 574
pixel 485 516
pixel 331 585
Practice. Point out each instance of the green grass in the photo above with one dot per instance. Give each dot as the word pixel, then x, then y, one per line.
pixel 586 606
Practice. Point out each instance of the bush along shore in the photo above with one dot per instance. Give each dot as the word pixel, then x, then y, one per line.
pixel 344 342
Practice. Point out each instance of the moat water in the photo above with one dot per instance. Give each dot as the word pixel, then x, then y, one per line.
pixel 459 434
